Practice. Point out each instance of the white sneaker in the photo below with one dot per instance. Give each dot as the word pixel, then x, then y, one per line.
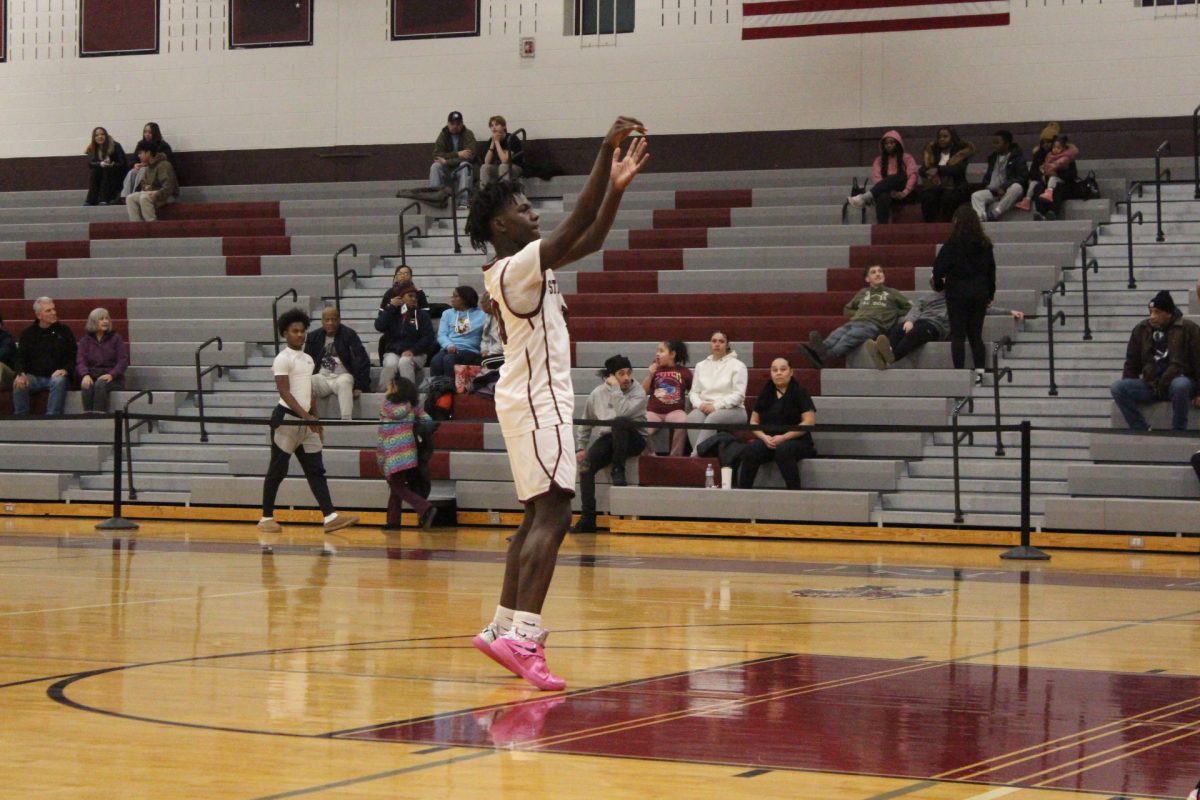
pixel 858 200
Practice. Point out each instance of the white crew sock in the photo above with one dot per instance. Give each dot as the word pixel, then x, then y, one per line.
pixel 526 625
pixel 503 620
pixel 266 519
pixel 330 518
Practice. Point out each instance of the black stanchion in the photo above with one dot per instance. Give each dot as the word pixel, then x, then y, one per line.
pixel 1025 551
pixel 116 522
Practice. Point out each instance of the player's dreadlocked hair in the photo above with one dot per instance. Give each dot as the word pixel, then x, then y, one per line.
pixel 484 205
pixel 287 318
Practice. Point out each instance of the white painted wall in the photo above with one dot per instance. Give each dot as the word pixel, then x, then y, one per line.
pixel 684 70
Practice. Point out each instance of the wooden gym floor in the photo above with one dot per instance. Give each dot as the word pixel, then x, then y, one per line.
pixel 182 662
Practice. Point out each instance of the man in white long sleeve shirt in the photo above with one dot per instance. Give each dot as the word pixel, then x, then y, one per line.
pixel 620 397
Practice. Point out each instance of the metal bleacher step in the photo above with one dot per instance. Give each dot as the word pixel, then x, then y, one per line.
pixel 979 486
pixel 974 519
pixel 147 497
pixel 146 467
pixel 990 468
pixel 944 501
pixel 148 481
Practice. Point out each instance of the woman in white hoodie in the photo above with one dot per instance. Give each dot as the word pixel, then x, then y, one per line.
pixel 718 393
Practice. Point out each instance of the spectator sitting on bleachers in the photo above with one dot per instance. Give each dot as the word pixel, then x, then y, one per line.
pixel 1162 362
pixel 667 383
pixel 151 133
pixel 1058 176
pixel 874 310
pixel 1003 182
pixel 491 345
pixel 944 171
pixel 8 358
pixel 342 365
pixel 158 186
pixel 453 153
pixel 1037 157
pixel 893 177
pixel 965 268
pixel 781 403
pixel 503 160
pixel 397 452
pixel 460 333
pixel 619 397
pixel 101 361
pixel 927 321
pixel 402 275
pixel 106 168
pixel 45 358
pixel 408 335
pixel 718 394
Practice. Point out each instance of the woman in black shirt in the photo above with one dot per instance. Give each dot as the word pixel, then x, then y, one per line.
pixel 965 268
pixel 781 404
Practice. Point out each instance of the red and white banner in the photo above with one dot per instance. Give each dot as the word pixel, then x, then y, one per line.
pixel 782 19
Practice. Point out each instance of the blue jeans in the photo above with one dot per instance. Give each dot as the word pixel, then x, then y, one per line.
pixel 56 386
pixel 442 176
pixel 850 336
pixel 1129 392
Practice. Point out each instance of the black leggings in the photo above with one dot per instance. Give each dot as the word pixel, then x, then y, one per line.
pixel 966 322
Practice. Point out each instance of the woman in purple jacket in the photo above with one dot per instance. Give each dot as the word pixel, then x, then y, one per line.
pixel 100 361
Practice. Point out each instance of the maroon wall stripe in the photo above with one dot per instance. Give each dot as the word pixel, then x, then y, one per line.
pixel 875 26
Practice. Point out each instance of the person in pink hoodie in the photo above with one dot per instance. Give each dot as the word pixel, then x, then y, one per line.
pixel 893 176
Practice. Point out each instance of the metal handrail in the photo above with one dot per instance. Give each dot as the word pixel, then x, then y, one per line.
pixel 454 215
pixel 275 316
pixel 129 429
pixel 854 189
pixel 1159 174
pixel 1051 318
pixel 1006 344
pixel 956 439
pixel 1091 239
pixel 200 381
pixel 1129 216
pixel 404 232
pixel 1196 150
pixel 337 276
pixel 404 243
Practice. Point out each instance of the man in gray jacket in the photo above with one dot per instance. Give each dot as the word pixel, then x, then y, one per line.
pixel 620 397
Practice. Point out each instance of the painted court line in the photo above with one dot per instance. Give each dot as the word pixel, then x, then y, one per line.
pixel 994 793
pixel 445 762
pixel 132 603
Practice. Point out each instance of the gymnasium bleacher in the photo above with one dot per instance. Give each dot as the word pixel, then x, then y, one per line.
pixel 762 255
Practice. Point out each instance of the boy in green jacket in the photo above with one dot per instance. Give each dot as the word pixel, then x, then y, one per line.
pixel 874 310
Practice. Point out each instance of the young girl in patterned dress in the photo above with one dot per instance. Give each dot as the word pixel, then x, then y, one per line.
pixel 397 450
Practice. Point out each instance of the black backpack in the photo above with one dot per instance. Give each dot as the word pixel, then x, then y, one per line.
pixel 1088 188
pixel 439 398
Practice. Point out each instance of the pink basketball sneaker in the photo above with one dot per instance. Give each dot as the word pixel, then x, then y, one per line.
pixel 483 643
pixel 528 660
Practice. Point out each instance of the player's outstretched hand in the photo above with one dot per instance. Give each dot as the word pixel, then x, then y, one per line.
pixel 624 170
pixel 621 129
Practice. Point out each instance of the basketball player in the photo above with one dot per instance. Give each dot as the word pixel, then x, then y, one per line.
pixel 535 400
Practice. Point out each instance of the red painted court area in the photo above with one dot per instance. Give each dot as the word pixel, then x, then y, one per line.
pixel 1123 734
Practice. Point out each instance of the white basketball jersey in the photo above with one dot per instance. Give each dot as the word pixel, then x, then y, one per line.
pixel 535 390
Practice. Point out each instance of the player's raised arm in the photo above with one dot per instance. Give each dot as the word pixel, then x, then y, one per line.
pixel 624 170
pixel 561 241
